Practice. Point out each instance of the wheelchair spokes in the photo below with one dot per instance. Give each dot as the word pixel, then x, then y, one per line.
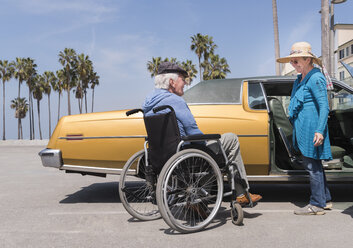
pixel 196 195
pixel 136 193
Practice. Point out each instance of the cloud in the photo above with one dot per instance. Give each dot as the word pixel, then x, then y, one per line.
pixel 266 67
pixel 50 6
pixel 302 32
pixel 121 65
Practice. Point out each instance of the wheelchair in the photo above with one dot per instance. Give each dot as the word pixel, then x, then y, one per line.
pixel 177 178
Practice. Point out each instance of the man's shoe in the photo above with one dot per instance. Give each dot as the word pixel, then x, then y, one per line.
pixel 310 210
pixel 328 205
pixel 244 200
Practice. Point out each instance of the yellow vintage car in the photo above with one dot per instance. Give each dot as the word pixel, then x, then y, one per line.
pixel 253 108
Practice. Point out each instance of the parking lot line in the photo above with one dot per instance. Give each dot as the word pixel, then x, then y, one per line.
pixel 89 213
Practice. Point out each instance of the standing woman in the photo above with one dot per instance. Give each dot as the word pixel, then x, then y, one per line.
pixel 308 113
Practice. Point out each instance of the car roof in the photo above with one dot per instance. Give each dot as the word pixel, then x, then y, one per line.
pixel 229 90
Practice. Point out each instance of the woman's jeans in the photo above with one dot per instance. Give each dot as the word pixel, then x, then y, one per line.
pixel 320 193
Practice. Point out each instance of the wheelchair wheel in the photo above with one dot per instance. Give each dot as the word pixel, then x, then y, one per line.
pixel 237 213
pixel 189 190
pixel 136 194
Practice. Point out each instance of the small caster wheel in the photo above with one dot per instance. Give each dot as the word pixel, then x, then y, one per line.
pixel 237 213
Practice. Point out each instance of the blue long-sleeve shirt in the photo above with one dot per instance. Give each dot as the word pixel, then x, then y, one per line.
pixel 186 121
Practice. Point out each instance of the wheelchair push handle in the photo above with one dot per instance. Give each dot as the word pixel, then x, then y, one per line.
pixel 133 111
pixel 160 108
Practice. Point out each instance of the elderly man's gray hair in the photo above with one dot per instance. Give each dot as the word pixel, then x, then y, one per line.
pixel 161 81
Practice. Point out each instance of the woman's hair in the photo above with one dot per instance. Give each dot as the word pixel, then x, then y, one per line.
pixel 161 81
pixel 311 60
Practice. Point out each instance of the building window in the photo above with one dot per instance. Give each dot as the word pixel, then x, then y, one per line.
pixel 341 75
pixel 351 49
pixel 342 54
pixel 347 51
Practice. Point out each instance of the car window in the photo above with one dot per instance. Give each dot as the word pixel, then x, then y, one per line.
pixel 256 97
pixel 215 91
pixel 341 99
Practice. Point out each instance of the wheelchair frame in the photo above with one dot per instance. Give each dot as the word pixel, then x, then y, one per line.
pixel 184 209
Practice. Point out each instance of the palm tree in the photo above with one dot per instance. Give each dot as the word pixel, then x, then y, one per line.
pixel 172 60
pixel 84 69
pixel 38 90
pixel 21 107
pixel 20 74
pixel 31 73
pixel 94 80
pixel 152 66
pixel 59 86
pixel 48 79
pixel 199 45
pixel 79 95
pixel 203 45
pixel 67 60
pixel 6 72
pixel 215 67
pixel 190 68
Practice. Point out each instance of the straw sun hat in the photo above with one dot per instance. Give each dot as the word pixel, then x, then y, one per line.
pixel 300 49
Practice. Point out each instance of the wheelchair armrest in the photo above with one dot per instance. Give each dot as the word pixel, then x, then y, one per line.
pixel 201 137
pixel 133 111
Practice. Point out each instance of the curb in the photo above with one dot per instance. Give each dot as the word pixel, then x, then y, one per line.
pixel 24 142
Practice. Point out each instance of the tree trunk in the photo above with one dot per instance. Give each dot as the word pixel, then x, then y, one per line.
pixel 3 110
pixel 40 129
pixel 19 120
pixel 30 117
pixel 92 98
pixel 19 88
pixel 59 108
pixel 49 116
pixel 200 68
pixel 86 101
pixel 275 29
pixel 32 110
pixel 68 102
pixel 21 128
pixel 79 106
pixel 18 128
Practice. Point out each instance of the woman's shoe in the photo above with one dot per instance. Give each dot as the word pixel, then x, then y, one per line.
pixel 310 210
pixel 328 205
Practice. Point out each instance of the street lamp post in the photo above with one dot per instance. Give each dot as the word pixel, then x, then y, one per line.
pixel 327 34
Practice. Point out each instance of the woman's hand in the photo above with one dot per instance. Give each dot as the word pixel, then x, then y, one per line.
pixel 318 139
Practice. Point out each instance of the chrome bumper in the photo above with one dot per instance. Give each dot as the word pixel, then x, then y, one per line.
pixel 51 158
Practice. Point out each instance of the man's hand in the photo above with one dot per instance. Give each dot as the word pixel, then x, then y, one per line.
pixel 318 139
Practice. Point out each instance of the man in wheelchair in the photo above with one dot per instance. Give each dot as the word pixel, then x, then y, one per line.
pixel 169 87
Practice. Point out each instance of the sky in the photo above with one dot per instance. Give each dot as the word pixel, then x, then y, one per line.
pixel 121 36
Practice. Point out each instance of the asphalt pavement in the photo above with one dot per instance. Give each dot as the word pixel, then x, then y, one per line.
pixel 45 207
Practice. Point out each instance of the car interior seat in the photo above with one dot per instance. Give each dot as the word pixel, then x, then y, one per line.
pixel 283 135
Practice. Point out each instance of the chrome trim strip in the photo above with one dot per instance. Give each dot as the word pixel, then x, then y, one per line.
pixel 141 136
pixel 217 103
pixel 103 137
pixel 261 178
pixel 95 169
pixel 296 178
pixel 252 135
pixel 278 178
